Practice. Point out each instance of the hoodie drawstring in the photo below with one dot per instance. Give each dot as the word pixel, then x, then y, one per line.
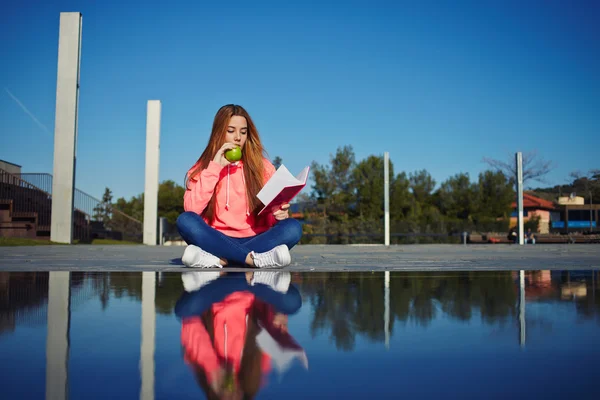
pixel 244 182
pixel 227 190
pixel 225 331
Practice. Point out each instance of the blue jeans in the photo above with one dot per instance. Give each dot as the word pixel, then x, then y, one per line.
pixel 195 303
pixel 194 230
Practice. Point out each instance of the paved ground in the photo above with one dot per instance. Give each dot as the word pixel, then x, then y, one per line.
pixel 314 257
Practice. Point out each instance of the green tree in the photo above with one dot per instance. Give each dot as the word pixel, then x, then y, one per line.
pixel 277 161
pixel 133 208
pixel 170 200
pixel 400 197
pixel 456 197
pixel 332 186
pixel 368 181
pixel 495 194
pixel 103 210
pixel 422 185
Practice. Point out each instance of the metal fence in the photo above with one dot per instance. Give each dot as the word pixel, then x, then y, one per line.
pixel 29 207
pixel 28 196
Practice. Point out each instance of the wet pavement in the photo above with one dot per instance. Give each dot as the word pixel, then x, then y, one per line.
pixel 166 335
pixel 314 257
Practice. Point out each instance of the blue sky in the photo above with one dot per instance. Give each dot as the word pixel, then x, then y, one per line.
pixel 438 84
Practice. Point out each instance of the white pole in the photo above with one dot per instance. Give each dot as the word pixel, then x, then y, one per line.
pixel 152 161
pixel 519 158
pixel 57 338
pixel 386 196
pixel 65 127
pixel 148 335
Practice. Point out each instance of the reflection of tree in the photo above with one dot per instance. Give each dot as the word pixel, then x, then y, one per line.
pixel 350 304
pixel 346 303
pixel 169 291
pixel 126 284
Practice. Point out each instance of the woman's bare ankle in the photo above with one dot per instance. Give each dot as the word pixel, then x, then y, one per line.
pixel 250 260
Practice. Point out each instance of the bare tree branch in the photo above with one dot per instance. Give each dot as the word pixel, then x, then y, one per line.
pixel 535 168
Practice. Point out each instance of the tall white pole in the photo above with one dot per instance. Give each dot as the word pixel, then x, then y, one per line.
pixel 57 339
pixel 148 335
pixel 519 159
pixel 152 163
pixel 386 196
pixel 65 127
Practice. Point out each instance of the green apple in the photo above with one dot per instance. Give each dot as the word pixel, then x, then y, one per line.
pixel 234 154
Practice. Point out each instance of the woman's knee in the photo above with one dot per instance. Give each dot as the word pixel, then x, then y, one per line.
pixel 188 220
pixel 184 219
pixel 293 231
pixel 291 302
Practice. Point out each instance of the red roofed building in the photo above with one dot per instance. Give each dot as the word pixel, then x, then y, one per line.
pixel 534 206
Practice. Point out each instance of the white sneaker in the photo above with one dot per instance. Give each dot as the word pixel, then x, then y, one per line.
pixel 276 280
pixel 195 257
pixel 277 257
pixel 195 280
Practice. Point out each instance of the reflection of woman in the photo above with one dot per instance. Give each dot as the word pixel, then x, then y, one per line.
pixel 222 316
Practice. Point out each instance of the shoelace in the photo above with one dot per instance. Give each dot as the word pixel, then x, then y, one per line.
pixel 265 259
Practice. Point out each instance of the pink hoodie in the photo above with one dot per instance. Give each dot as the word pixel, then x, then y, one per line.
pixel 230 323
pixel 232 216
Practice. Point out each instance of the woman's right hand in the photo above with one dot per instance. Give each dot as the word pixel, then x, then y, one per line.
pixel 220 156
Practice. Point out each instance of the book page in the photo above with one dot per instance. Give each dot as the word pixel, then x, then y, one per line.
pixel 281 178
pixel 303 175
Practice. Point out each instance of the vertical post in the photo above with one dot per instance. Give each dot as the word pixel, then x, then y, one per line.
pixel 65 127
pixel 152 163
pixel 591 211
pixel 148 335
pixel 386 312
pixel 522 327
pixel 519 158
pixel 386 196
pixel 57 339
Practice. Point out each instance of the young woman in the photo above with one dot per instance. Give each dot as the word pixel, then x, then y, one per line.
pixel 221 224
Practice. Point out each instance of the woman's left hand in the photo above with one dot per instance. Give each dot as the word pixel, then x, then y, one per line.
pixel 282 212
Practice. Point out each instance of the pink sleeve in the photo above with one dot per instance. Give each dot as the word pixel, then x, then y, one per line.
pixel 201 188
pixel 198 346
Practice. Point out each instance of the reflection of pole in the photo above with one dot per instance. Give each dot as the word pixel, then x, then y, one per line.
pixel 57 339
pixel 386 312
pixel 148 333
pixel 522 336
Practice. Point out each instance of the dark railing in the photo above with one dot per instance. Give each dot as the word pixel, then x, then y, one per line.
pixel 27 204
pixel 29 198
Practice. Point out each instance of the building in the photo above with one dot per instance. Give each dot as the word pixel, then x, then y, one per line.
pixel 534 207
pixel 11 168
pixel 572 214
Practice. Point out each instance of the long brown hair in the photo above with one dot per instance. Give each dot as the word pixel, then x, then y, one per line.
pixel 252 156
pixel 250 373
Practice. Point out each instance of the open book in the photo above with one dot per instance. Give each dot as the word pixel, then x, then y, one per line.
pixel 282 187
pixel 281 347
